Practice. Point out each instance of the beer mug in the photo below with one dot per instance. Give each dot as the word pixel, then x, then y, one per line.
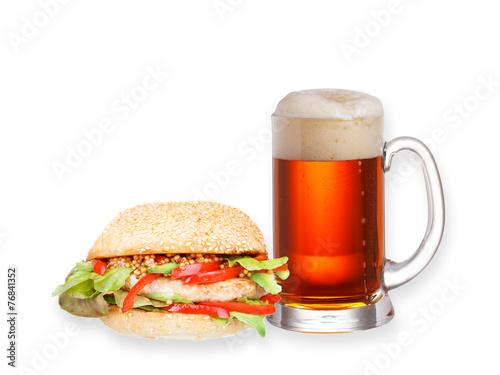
pixel 329 160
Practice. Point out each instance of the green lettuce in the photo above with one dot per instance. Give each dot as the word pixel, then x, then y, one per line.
pixel 83 290
pixel 139 301
pixel 252 264
pixel 154 300
pixel 79 274
pixel 112 300
pixel 254 321
pixel 82 281
pixel 252 301
pixel 165 297
pixel 164 268
pixel 220 320
pixel 283 275
pixel 267 281
pixel 82 293
pixel 72 283
pixel 83 266
pixel 111 280
pixel 151 308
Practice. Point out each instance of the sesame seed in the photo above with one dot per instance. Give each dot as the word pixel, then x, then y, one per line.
pixel 188 227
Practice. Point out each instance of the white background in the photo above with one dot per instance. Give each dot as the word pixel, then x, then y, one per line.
pixel 227 70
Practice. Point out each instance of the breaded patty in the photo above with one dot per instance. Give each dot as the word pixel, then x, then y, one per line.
pixel 227 290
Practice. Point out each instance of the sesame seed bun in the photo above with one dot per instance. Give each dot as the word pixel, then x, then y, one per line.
pixel 158 325
pixel 179 228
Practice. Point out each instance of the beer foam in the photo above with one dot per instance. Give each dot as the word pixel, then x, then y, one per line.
pixel 329 104
pixel 328 124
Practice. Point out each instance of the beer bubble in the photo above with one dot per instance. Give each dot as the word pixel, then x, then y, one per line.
pixel 328 124
pixel 362 192
pixel 363 220
pixel 360 162
pixel 359 170
pixel 364 243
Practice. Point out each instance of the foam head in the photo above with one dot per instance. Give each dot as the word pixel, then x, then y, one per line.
pixel 328 124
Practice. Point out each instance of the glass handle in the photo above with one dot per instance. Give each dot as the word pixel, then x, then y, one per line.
pixel 397 274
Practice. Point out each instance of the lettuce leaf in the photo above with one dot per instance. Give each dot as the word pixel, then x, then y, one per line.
pixel 83 266
pixel 139 301
pixel 220 320
pixel 283 275
pixel 151 308
pixel 72 280
pixel 83 290
pixel 84 286
pixel 267 281
pixel 94 307
pixel 252 301
pixel 111 300
pixel 83 283
pixel 254 321
pixel 165 297
pixel 112 280
pixel 252 264
pixel 164 268
pixel 83 294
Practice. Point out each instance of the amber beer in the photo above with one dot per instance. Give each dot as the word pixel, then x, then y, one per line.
pixel 329 222
pixel 328 198
pixel 329 162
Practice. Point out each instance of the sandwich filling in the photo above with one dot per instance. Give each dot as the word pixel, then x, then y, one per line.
pixel 224 287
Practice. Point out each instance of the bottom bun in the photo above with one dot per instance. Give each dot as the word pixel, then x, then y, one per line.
pixel 158 325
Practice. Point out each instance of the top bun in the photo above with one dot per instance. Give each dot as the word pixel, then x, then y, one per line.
pixel 179 228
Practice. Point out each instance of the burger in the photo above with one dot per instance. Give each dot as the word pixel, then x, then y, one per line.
pixel 182 270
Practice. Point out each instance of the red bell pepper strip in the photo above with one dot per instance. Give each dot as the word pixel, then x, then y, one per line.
pixel 270 298
pixel 145 280
pixel 283 267
pixel 159 258
pixel 214 276
pixel 193 269
pixel 98 266
pixel 260 257
pixel 245 308
pixel 215 311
